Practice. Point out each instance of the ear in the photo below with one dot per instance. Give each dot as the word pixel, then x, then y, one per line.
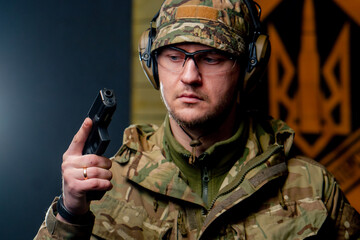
pixel 259 54
pixel 147 60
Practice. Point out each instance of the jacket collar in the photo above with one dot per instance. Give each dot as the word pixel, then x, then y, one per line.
pixel 145 164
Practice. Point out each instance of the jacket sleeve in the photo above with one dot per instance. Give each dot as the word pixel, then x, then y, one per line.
pixel 52 228
pixel 345 217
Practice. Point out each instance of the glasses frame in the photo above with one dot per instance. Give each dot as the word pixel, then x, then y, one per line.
pixel 191 55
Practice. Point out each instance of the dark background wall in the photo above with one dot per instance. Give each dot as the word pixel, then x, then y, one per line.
pixel 54 57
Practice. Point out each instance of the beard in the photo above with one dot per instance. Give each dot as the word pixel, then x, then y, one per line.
pixel 209 121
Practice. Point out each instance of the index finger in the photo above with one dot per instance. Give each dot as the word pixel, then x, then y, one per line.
pixel 77 144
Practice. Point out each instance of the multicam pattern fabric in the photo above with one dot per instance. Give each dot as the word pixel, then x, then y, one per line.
pixel 216 23
pixel 269 196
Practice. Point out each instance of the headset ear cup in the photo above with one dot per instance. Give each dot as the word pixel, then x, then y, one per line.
pixel 147 61
pixel 263 49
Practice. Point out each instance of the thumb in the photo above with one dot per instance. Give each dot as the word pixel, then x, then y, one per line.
pixel 77 144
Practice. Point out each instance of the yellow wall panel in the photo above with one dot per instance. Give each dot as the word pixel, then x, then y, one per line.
pixel 146 105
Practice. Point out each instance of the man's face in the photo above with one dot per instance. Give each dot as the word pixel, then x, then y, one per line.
pixel 194 97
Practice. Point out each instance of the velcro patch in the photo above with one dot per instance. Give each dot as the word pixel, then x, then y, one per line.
pixel 203 12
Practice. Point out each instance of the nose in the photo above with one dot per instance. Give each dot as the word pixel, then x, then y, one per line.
pixel 190 74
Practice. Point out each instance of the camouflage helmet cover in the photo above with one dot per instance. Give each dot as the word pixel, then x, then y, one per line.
pixel 221 24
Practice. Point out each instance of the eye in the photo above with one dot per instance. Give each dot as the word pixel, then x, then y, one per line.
pixel 211 58
pixel 175 57
pixel 172 55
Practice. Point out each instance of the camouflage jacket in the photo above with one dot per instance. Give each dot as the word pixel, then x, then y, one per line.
pixel 266 195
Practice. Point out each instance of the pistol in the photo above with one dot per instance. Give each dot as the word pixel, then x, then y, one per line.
pixel 98 140
pixel 100 113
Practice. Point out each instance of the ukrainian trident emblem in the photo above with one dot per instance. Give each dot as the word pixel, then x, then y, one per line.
pixel 311 81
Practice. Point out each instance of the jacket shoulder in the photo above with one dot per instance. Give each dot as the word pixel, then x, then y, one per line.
pixel 139 133
pixel 323 185
pixel 305 172
pixel 138 139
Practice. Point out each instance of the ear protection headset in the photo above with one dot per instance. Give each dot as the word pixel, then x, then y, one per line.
pixel 258 53
pixel 147 60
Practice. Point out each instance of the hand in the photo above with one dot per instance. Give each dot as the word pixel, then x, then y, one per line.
pixel 75 185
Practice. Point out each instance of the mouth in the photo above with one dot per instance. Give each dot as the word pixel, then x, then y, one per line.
pixel 190 98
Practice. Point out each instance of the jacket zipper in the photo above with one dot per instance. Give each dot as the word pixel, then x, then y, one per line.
pixel 259 160
pixel 205 184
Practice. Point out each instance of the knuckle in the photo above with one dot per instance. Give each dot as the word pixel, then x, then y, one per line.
pixel 72 188
pixel 65 156
pixel 65 164
pixel 65 174
pixel 64 167
pixel 76 138
pixel 68 158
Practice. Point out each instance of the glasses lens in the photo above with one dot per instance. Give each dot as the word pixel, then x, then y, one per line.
pixel 171 59
pixel 207 61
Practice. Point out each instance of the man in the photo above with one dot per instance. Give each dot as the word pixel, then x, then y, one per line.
pixel 212 170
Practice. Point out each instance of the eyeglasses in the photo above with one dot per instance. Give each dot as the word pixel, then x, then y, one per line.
pixel 208 61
